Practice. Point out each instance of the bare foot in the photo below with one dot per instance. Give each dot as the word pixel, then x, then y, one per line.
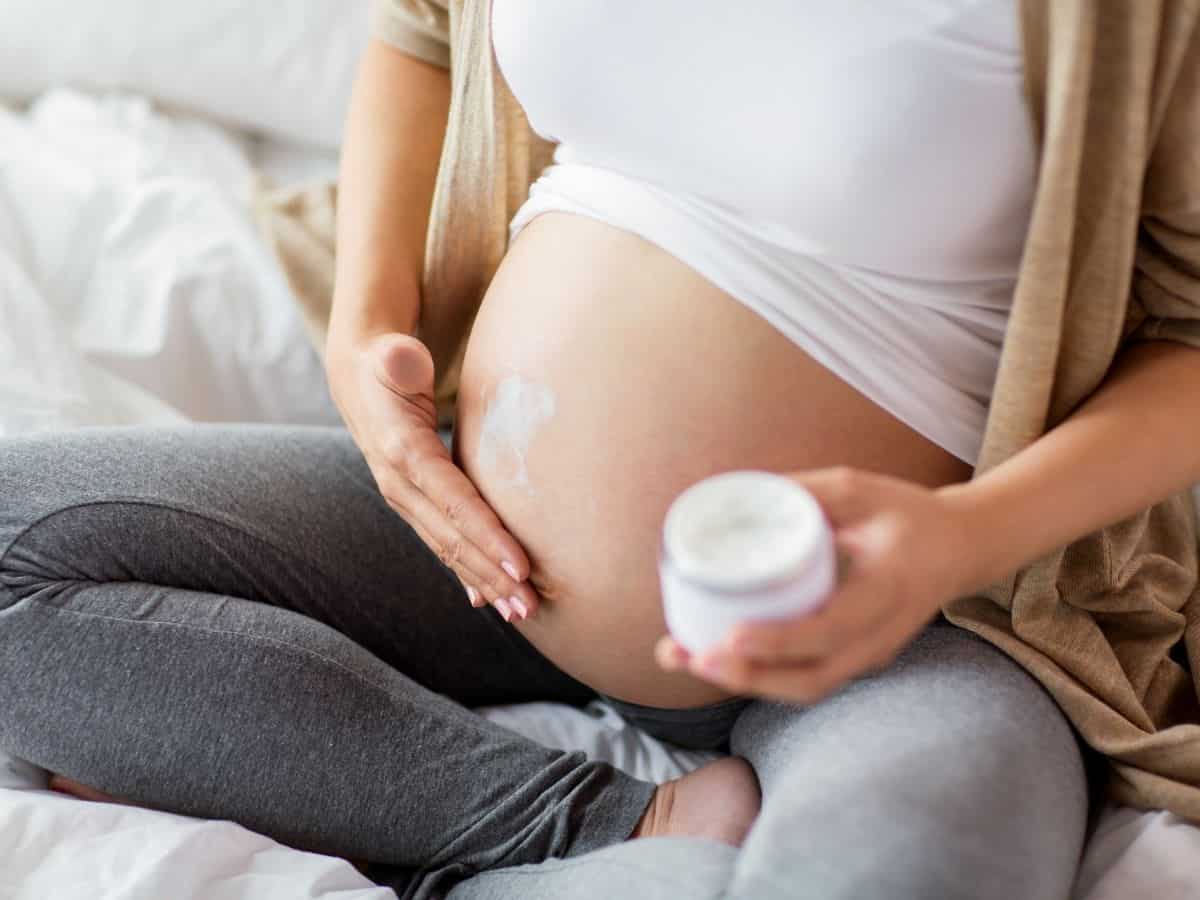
pixel 719 801
pixel 81 791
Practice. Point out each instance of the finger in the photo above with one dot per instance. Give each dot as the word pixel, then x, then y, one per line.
pixel 477 596
pixel 670 654
pixel 485 584
pixel 840 491
pixel 871 655
pixel 521 602
pixel 525 601
pixel 473 596
pixel 799 683
pixel 403 364
pixel 854 608
pixel 459 501
pixel 420 459
pixel 473 568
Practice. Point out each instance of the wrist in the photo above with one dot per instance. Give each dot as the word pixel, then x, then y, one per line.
pixel 984 547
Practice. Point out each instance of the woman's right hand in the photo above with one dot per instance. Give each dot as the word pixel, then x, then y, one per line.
pixel 384 389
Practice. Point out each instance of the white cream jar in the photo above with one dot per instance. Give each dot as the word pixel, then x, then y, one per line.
pixel 739 546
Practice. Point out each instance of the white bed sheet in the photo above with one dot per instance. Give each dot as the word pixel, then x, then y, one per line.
pixel 133 285
pixel 133 288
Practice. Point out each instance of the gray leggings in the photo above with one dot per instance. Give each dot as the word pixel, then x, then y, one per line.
pixel 229 622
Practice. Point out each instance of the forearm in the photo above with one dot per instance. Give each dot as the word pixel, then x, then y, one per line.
pixel 394 134
pixel 1134 442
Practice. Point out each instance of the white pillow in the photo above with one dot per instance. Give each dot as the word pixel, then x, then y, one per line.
pixel 282 67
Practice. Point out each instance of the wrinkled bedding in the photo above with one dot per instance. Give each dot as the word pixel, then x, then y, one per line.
pixel 134 288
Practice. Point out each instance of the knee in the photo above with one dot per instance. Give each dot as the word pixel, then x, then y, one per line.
pixel 49 484
pixel 33 482
pixel 17 515
pixel 953 774
pixel 22 569
pixel 912 833
pixel 952 703
pixel 30 542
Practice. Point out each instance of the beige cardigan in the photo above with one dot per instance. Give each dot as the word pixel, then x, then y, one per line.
pixel 1110 624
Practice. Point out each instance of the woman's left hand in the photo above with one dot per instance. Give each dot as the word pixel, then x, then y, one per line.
pixel 904 551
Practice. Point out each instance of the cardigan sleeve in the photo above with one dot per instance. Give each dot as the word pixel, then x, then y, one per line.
pixel 420 28
pixel 1166 278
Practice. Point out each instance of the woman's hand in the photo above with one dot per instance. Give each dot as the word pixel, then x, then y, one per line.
pixel 384 389
pixel 905 551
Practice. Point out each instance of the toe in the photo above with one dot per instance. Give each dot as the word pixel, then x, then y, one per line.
pixel 81 791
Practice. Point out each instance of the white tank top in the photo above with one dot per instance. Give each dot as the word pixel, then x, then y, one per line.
pixel 858 173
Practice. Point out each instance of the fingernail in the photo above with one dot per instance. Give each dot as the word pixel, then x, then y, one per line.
pixel 672 656
pixel 472 596
pixel 521 608
pixel 502 608
pixel 710 665
pixel 511 570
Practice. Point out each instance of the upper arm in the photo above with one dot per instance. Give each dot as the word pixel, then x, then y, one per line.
pixel 1166 278
pixel 420 28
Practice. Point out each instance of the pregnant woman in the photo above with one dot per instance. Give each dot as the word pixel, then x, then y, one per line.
pixel 880 248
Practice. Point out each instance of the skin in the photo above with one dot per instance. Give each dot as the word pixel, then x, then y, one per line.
pixel 1040 498
pixel 640 360
pixel 379 375
pixel 660 379
pixel 909 549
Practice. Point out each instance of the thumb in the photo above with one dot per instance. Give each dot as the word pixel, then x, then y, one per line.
pixel 403 364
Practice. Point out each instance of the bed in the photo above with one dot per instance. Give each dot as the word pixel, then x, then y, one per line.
pixel 135 288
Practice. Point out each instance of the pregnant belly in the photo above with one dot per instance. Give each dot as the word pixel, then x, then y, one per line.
pixel 602 377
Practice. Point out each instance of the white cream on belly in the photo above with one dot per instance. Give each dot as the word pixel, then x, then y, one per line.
pixel 518 408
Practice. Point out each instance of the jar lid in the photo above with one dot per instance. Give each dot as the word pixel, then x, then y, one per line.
pixel 744 529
